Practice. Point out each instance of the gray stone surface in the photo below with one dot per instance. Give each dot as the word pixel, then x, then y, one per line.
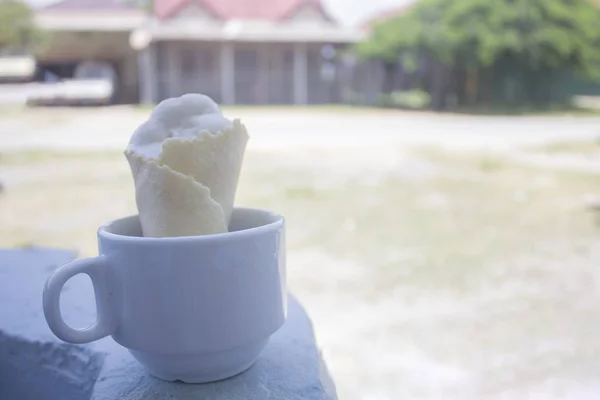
pixel 36 365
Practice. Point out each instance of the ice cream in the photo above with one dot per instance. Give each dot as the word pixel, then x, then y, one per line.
pixel 186 161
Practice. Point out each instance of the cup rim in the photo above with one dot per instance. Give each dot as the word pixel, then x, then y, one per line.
pixel 275 225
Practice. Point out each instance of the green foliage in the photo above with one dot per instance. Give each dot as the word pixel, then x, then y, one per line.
pixel 534 34
pixel 390 37
pixel 17 26
pixel 409 99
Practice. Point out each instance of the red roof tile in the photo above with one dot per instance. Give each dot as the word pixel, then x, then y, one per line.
pixel 272 10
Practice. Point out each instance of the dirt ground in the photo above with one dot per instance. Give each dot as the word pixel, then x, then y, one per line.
pixel 439 257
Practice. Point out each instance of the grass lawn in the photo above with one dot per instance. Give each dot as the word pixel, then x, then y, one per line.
pixel 580 148
pixel 451 274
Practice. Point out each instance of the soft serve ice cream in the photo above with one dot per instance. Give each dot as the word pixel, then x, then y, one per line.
pixel 186 161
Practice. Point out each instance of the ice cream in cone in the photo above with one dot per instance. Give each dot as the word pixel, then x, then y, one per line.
pixel 186 162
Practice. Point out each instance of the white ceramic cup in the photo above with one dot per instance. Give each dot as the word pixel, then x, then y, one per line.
pixel 195 309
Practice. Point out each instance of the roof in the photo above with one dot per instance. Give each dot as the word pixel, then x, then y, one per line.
pixel 253 31
pixel 85 5
pixel 270 10
pixel 90 15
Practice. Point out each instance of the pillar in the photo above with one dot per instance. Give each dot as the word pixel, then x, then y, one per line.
pixel 300 74
pixel 264 73
pixel 148 75
pixel 227 73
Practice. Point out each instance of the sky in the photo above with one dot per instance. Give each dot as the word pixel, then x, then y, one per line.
pixel 349 12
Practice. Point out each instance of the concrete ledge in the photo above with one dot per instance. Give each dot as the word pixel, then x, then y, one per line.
pixel 35 365
pixel 36 370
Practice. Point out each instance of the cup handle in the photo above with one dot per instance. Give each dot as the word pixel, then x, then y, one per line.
pixel 95 268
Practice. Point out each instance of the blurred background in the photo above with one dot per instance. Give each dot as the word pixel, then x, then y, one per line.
pixel 437 162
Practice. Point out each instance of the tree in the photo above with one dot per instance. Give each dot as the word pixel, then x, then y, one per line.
pixel 527 41
pixel 17 26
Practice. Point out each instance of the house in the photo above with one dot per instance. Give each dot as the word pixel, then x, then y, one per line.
pixel 236 51
pixel 240 51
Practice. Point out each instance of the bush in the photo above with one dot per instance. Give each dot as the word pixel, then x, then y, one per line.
pixel 410 99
